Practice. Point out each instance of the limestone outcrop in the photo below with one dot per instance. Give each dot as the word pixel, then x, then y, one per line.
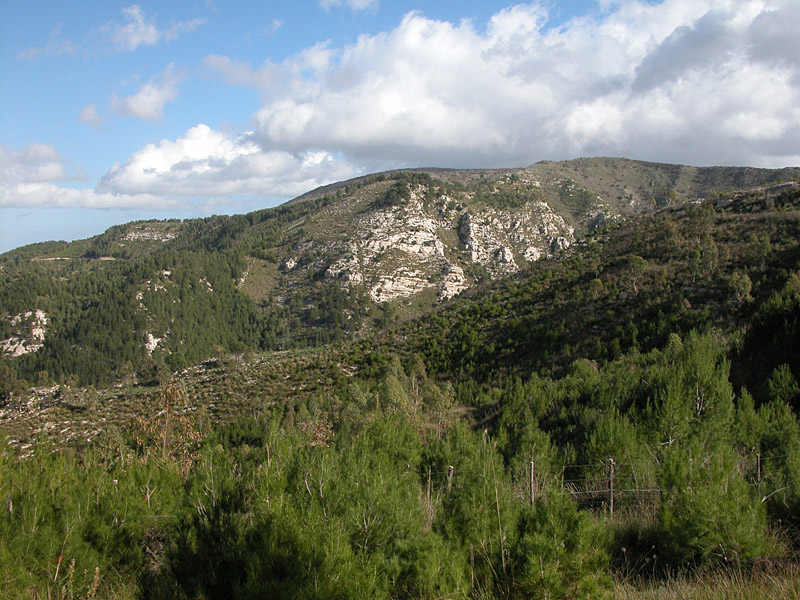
pixel 401 250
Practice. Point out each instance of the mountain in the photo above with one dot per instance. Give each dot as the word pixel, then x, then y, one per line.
pixel 619 419
pixel 333 263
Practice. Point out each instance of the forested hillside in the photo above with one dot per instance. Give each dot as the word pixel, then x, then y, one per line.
pixel 343 261
pixel 617 420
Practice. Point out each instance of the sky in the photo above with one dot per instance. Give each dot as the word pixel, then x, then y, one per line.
pixel 113 111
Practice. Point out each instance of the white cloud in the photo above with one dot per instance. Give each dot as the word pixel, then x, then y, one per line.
pixel 171 34
pixel 353 5
pixel 687 81
pixel 135 32
pixel 27 176
pixel 34 163
pixel 697 81
pixel 239 73
pixel 139 30
pixel 55 46
pixel 200 170
pixel 205 162
pixel 48 195
pixel 90 116
pixel 149 100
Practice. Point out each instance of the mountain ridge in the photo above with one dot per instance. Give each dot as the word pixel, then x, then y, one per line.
pixel 711 178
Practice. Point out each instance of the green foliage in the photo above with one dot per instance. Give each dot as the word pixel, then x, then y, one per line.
pixel 9 384
pixel 70 515
pixel 708 512
pixel 741 286
pixel 397 195
pixel 560 552
pixel 777 439
pixel 693 397
pixel 771 342
pixel 783 387
pixel 371 507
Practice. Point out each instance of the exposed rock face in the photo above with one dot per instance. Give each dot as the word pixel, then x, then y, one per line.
pixel 454 281
pixel 497 239
pixel 155 231
pixel 399 251
pixel 402 282
pixel 29 337
pixel 152 342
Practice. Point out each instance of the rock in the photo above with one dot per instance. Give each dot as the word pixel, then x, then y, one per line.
pixel 558 244
pixel 31 327
pixel 399 251
pixel 402 283
pixel 504 255
pixel 454 282
pixel 152 342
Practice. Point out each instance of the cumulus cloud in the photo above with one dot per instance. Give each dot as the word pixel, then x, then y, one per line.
pixel 205 162
pixel 199 169
pixel 90 116
pixel 27 176
pixel 686 81
pixel 295 77
pixel 773 38
pixel 693 81
pixel 149 100
pixel 139 30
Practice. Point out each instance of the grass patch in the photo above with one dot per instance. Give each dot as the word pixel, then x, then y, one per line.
pixel 738 583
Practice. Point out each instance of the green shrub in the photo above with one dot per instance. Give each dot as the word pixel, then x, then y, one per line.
pixel 560 552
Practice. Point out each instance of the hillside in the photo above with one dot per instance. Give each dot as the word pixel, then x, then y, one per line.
pixel 618 418
pixel 334 263
pixel 626 287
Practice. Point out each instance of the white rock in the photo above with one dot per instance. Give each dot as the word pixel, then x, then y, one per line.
pixel 152 342
pixel 25 342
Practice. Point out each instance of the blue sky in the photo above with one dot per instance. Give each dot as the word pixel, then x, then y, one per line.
pixel 115 111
